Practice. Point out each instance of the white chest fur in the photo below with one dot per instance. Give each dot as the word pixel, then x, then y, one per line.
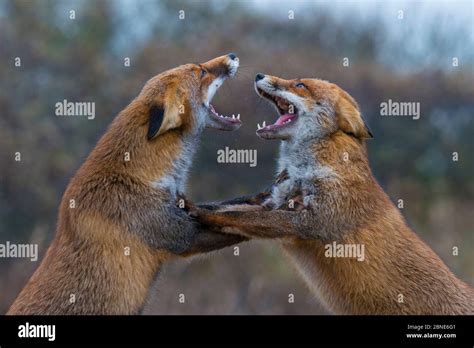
pixel 303 169
pixel 175 180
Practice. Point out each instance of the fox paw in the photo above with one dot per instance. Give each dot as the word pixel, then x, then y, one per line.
pixel 268 204
pixel 299 202
pixel 307 201
pixel 296 203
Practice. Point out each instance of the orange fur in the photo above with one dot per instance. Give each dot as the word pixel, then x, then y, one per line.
pixel 346 205
pixel 111 242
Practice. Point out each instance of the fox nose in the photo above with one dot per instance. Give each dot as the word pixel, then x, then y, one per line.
pixel 259 77
pixel 232 56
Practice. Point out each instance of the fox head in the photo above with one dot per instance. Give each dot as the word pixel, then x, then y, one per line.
pixel 309 108
pixel 180 98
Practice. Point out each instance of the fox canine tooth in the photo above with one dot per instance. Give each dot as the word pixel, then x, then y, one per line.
pixel 264 124
pixel 258 126
pixel 238 116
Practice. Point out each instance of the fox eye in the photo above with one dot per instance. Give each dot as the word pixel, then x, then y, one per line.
pixel 203 73
pixel 300 85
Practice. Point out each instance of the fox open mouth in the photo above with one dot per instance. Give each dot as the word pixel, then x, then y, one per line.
pixel 227 122
pixel 288 113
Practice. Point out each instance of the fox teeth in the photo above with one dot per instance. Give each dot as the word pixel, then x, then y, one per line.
pixel 233 116
pixel 258 126
pixel 238 116
pixel 264 124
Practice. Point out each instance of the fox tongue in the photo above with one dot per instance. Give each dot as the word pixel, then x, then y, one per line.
pixel 283 119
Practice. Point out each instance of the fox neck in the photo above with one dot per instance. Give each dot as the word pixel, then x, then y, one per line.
pixel 163 162
pixel 305 161
pixel 296 158
pixel 336 151
pixel 172 155
pixel 175 178
pixel 334 157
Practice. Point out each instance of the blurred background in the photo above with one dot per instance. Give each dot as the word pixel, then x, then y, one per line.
pixel 82 59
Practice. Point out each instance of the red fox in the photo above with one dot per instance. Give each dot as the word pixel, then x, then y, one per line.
pixel 118 221
pixel 324 169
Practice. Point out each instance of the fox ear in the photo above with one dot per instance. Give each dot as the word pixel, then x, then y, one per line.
pixel 162 120
pixel 156 119
pixel 350 120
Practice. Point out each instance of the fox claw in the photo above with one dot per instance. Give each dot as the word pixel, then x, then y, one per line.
pixel 282 177
pixel 298 202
